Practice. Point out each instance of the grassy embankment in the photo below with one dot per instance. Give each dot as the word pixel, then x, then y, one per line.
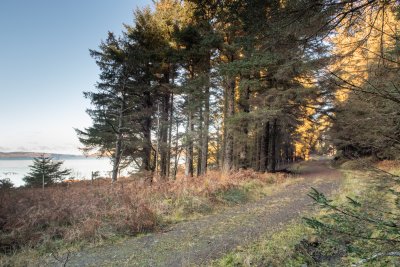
pixel 300 245
pixel 35 222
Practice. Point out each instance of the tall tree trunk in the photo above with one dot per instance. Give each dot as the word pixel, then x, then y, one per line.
pixel 189 145
pixel 278 149
pixel 189 129
pixel 230 110
pixel 118 143
pixel 264 147
pixel 273 146
pixel 257 146
pixel 117 157
pixel 204 148
pixel 176 150
pixel 171 116
pixel 147 145
pixel 164 135
pixel 252 152
pixel 224 130
pixel 287 153
pixel 266 142
pixel 157 150
pixel 219 149
pixel 165 106
pixel 244 107
pixel 200 145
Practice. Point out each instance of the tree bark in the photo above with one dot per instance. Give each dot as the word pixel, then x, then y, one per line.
pixel 266 142
pixel 204 148
pixel 264 147
pixel 200 138
pixel 189 129
pixel 189 146
pixel 118 143
pixel 164 135
pixel 171 116
pixel 230 110
pixel 273 146
pixel 176 150
pixel 257 149
pixel 147 145
pixel 244 107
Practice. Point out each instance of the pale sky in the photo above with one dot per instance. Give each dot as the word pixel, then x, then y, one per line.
pixel 45 66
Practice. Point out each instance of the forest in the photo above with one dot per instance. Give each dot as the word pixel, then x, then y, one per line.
pixel 222 105
pixel 232 85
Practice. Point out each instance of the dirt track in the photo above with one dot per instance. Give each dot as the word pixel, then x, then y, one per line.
pixel 197 242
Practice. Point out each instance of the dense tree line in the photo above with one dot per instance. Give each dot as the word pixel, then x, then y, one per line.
pixel 367 111
pixel 216 84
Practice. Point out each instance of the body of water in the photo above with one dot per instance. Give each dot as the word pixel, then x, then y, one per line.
pixel 82 168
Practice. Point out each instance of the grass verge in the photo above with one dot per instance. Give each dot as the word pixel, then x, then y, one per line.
pixel 300 245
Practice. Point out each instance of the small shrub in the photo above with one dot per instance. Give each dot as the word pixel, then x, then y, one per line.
pixel 6 183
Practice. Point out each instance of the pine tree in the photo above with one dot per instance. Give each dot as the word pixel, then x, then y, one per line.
pixel 111 104
pixel 123 106
pixel 366 101
pixel 44 172
pixel 5 183
pixel 231 72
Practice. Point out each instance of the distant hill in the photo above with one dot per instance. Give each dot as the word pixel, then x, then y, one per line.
pixel 31 155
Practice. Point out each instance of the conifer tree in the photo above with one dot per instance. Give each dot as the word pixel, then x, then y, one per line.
pixel 365 75
pixel 232 73
pixel 44 172
pixel 122 113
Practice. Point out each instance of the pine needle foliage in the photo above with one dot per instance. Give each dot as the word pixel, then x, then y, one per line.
pixel 44 172
pixel 366 227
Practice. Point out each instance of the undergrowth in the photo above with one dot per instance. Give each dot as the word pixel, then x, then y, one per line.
pixel 34 222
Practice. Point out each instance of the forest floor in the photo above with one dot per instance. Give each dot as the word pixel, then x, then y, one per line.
pixel 197 242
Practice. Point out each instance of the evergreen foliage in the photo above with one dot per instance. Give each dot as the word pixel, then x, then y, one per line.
pixel 44 172
pixel 366 227
pixel 236 85
pixel 366 119
pixel 5 183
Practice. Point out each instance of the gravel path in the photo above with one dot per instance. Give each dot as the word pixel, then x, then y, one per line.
pixel 197 242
